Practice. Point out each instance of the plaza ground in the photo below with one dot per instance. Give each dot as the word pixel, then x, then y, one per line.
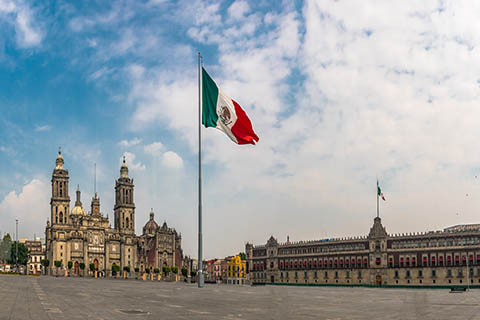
pixel 86 298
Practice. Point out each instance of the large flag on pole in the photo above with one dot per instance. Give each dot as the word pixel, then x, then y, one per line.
pixel 380 193
pixel 222 112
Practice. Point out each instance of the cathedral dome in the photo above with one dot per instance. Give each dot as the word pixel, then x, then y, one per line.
pixel 78 209
pixel 151 226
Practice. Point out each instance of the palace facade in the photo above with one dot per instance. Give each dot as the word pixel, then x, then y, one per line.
pixel 448 257
pixel 80 237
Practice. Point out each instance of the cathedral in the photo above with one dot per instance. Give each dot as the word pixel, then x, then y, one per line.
pixel 79 237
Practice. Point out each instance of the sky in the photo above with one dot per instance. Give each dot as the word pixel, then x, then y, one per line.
pixel 340 93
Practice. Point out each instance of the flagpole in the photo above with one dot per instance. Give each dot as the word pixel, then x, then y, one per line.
pixel 200 267
pixel 378 214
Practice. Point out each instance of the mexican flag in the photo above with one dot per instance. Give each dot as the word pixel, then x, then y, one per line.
pixel 222 112
pixel 380 193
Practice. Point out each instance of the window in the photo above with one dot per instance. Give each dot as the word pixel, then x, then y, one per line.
pixel 396 273
pixel 420 273
pixel 460 272
pixel 408 274
pixel 348 274
pixel 315 274
pixel 336 274
pixel 296 275
pixel 449 272
pixel 471 272
pixel 326 274
pixel 359 274
pixel 434 273
pixel 305 275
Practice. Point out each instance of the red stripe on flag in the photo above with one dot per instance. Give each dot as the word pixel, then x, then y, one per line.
pixel 242 129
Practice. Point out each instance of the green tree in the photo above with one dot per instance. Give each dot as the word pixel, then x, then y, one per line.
pixel 58 264
pixel 137 269
pixel 193 273
pixel 147 270
pixel 82 267
pixel 127 269
pixel 22 254
pixel 242 255
pixel 175 270
pixel 166 270
pixel 115 269
pixel 156 271
pixel 184 272
pixel 5 246
pixel 70 265
pixel 92 267
pixel 45 263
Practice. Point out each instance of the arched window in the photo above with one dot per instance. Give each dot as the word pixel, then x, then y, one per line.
pixel 61 217
pixel 61 190
pixel 127 223
pixel 56 219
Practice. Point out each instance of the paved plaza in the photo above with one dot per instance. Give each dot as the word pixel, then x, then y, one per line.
pixel 86 298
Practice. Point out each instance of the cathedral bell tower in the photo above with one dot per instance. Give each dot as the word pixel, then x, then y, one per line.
pixel 124 206
pixel 60 201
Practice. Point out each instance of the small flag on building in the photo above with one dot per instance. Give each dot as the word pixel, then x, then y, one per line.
pixel 222 112
pixel 380 193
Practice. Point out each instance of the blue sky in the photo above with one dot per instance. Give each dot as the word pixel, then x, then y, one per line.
pixel 338 92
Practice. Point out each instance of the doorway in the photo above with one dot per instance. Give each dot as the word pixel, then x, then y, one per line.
pixel 76 268
pixel 378 280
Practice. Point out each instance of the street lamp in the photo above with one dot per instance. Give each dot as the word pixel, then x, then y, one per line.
pixel 16 245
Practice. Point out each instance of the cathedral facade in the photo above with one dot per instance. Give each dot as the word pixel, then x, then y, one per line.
pixel 80 237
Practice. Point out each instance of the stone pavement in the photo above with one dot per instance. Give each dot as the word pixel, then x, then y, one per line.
pixel 86 298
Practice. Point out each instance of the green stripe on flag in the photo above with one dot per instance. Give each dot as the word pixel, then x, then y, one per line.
pixel 209 100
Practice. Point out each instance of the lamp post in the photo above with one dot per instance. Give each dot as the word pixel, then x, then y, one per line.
pixel 16 245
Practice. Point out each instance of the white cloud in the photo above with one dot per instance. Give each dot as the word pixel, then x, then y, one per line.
pixel 172 160
pixel 43 128
pixel 155 148
pixel 130 143
pixel 130 160
pixel 378 88
pixel 238 9
pixel 27 29
pixel 30 206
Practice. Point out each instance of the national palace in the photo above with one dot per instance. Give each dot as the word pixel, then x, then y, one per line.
pixel 448 257
pixel 86 238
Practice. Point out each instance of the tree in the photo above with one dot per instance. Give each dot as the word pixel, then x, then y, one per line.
pixel 70 265
pixel 92 267
pixel 58 264
pixel 22 254
pixel 137 269
pixel 147 270
pixel 166 270
pixel 127 269
pixel 175 270
pixel 5 246
pixel 184 272
pixel 193 273
pixel 115 269
pixel 45 263
pixel 242 255
pixel 156 271
pixel 82 266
